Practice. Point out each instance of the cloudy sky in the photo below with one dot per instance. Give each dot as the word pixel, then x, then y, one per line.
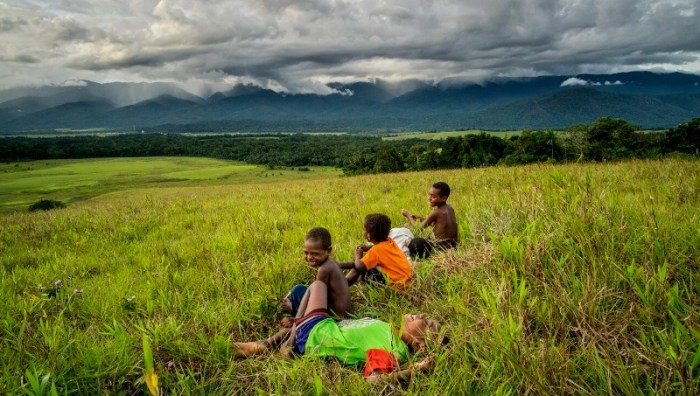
pixel 299 46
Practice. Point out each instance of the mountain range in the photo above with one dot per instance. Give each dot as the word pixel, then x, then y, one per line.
pixel 650 100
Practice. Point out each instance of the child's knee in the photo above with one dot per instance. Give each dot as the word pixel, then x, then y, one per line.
pixel 318 286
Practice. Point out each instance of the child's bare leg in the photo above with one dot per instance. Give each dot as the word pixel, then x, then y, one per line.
pixel 352 276
pixel 247 349
pixel 316 297
pixel 303 303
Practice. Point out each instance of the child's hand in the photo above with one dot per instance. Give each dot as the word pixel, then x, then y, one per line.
pixel 374 378
pixel 358 252
pixel 405 213
pixel 425 364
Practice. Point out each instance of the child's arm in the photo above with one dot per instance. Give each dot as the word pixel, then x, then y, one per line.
pixel 401 375
pixel 351 264
pixel 358 267
pixel 346 265
pixel 431 219
pixel 412 218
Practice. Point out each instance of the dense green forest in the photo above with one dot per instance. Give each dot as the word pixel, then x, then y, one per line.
pixel 604 140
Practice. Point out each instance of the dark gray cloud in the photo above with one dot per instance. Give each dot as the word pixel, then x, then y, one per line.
pixel 300 46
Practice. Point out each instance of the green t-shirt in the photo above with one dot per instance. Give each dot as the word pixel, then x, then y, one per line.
pixel 349 340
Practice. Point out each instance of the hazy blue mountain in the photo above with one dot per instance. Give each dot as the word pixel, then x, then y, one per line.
pixel 647 99
pixel 160 110
pixel 119 93
pixel 75 115
pixel 30 104
pixel 585 105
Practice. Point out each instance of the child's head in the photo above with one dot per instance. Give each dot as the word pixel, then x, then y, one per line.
pixel 317 246
pixel 438 194
pixel 420 247
pixel 377 227
pixel 418 330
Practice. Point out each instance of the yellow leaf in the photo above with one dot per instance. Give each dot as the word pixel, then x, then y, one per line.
pixel 152 382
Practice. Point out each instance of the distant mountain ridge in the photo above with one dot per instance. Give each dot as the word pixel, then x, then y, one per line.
pixel 648 99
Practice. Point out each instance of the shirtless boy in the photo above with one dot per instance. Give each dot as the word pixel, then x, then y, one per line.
pixel 317 249
pixel 441 218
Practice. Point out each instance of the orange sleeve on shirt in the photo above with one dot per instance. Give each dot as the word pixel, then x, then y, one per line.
pixel 371 258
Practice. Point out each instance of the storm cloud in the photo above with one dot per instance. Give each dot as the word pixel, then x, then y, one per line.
pixel 301 46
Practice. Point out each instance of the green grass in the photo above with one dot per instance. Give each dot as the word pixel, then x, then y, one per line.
pixel 446 134
pixel 74 180
pixel 570 279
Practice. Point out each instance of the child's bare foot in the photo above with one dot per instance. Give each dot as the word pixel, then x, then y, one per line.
pixel 287 322
pixel 247 349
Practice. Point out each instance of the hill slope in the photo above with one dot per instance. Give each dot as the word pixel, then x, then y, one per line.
pixel 569 279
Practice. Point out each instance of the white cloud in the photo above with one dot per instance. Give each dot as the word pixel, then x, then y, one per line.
pixel 573 81
pixel 298 48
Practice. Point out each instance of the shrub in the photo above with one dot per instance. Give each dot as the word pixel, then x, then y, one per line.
pixel 46 204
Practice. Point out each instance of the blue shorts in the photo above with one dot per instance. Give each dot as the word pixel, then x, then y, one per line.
pixel 305 325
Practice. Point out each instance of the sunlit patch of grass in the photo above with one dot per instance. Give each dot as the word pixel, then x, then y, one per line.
pixel 77 180
pixel 569 279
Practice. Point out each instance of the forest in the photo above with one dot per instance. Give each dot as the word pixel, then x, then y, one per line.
pixel 607 139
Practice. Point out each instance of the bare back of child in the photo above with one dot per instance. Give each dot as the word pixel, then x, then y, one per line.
pixel 444 223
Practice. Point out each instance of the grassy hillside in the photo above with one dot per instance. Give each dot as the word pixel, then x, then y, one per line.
pixel 572 279
pixel 22 183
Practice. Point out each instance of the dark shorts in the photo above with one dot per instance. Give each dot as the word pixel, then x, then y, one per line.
pixel 374 276
pixel 445 244
pixel 304 326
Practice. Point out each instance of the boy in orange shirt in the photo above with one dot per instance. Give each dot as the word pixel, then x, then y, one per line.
pixel 381 261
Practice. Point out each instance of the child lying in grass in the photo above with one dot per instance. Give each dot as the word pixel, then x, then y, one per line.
pixel 351 341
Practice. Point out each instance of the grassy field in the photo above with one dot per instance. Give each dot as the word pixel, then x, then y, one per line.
pixel 446 134
pixel 570 279
pixel 73 180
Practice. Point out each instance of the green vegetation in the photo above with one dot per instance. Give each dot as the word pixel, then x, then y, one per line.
pixel 74 180
pixel 46 204
pixel 571 279
pixel 446 134
pixel 604 140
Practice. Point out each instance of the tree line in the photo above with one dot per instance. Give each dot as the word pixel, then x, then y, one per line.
pixel 607 139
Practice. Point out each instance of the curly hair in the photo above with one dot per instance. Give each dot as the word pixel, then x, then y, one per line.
pixel 443 187
pixel 320 234
pixel 377 226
